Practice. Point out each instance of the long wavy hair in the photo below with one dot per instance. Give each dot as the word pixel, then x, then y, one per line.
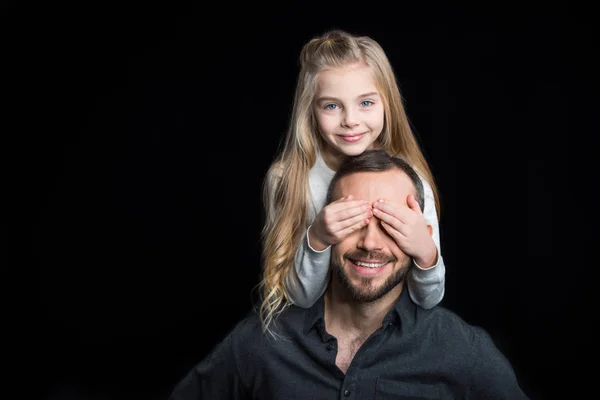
pixel 286 189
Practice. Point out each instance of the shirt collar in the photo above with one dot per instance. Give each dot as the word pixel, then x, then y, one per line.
pixel 315 315
pixel 403 312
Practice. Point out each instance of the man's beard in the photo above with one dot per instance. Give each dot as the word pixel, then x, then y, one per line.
pixel 365 292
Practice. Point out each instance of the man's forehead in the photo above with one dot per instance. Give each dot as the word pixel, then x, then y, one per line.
pixel 392 184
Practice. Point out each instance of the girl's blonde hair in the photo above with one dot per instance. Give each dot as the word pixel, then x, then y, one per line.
pixel 286 191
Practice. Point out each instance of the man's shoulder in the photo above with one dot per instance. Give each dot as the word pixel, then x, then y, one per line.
pixel 249 330
pixel 451 324
pixel 474 353
pixel 249 325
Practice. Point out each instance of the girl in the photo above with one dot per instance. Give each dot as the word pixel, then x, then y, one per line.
pixel 347 100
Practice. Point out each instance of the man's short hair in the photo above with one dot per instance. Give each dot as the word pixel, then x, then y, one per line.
pixel 377 161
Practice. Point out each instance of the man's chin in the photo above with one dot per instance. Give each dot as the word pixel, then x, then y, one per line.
pixel 364 296
pixel 365 291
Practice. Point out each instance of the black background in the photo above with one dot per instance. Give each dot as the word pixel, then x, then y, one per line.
pixel 149 129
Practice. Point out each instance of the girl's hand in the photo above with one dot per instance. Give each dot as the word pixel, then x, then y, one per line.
pixel 337 220
pixel 407 226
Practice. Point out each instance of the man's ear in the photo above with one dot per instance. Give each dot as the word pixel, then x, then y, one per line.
pixel 430 229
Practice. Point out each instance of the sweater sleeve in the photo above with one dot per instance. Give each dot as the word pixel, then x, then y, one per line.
pixel 308 278
pixel 307 281
pixel 426 286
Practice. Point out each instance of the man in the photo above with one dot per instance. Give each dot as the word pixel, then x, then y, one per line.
pixel 365 338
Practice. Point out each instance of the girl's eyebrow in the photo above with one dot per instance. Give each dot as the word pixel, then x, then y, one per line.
pixel 329 98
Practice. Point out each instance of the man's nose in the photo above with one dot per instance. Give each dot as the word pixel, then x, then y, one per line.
pixel 372 236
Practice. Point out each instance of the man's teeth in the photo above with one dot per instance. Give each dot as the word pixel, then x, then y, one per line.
pixel 370 265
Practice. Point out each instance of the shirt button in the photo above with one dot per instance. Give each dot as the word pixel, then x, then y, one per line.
pixel 330 346
pixel 346 393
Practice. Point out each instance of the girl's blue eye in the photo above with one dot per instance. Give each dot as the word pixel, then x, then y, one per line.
pixel 366 103
pixel 329 107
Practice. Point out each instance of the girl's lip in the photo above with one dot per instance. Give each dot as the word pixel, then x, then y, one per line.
pixel 352 138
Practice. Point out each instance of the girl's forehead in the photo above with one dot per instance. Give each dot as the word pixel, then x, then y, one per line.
pixel 346 80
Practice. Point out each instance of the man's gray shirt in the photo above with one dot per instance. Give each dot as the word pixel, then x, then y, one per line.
pixel 416 354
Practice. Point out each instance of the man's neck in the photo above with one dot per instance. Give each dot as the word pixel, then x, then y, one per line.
pixel 346 316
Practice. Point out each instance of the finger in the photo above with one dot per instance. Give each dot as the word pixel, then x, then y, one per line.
pixel 397 235
pixel 352 211
pixel 386 205
pixel 349 205
pixel 413 204
pixel 399 211
pixel 354 220
pixel 343 202
pixel 359 225
pixel 391 220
